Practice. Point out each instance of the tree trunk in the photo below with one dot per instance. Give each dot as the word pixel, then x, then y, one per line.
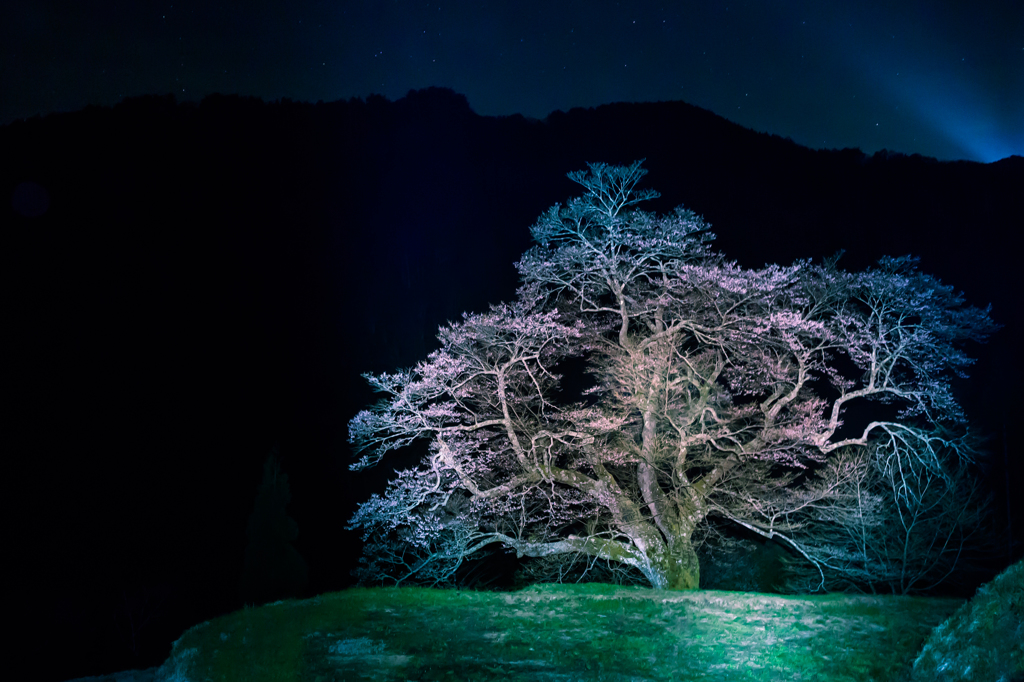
pixel 683 570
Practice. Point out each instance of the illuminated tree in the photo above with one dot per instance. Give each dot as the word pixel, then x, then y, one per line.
pixel 718 396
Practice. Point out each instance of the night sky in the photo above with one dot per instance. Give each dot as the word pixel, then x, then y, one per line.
pixel 934 77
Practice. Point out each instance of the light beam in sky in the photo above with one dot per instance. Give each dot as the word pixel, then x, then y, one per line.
pixel 965 116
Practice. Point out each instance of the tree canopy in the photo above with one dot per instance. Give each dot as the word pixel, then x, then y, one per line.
pixel 719 396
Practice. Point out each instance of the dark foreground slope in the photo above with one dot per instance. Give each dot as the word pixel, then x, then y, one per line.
pixel 190 285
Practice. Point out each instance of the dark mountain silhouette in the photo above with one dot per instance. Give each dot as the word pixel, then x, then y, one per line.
pixel 189 283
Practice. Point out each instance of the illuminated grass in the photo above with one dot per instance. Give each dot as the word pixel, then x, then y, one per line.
pixel 564 632
pixel 984 640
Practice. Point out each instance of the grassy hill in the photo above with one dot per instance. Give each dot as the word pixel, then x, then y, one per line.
pixel 562 632
pixel 983 640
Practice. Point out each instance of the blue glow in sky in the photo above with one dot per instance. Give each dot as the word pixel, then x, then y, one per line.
pixel 962 112
pixel 935 77
pixel 963 81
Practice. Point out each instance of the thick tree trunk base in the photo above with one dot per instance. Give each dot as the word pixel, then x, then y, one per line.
pixel 684 567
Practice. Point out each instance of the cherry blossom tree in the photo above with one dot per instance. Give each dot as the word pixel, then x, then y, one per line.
pixel 719 395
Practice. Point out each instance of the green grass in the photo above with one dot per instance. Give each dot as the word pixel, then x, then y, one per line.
pixel 562 632
pixel 984 640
